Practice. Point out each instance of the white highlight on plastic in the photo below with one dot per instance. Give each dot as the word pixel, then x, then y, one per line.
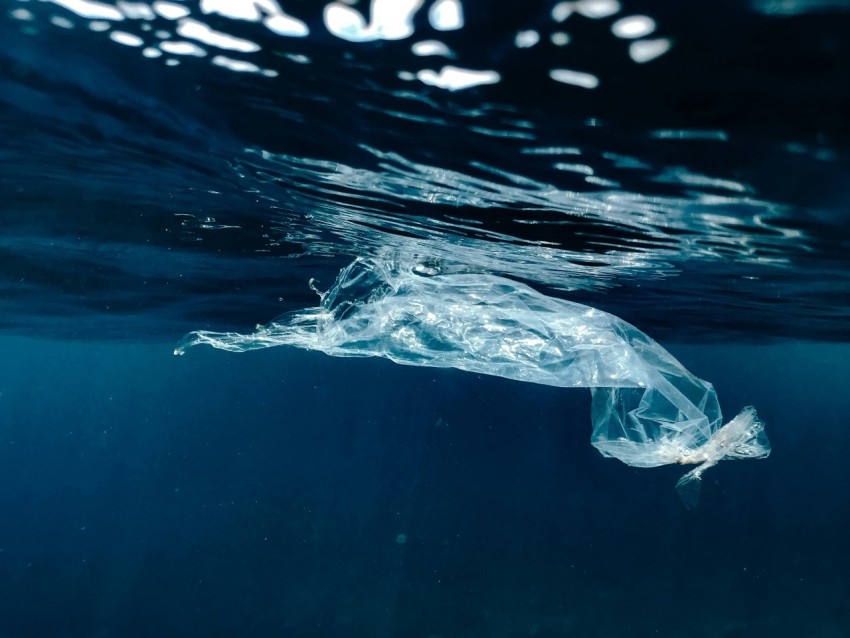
pixel 391 20
pixel 526 39
pixel 127 39
pixel 647 50
pixel 430 47
pixel 194 30
pixel 170 10
pixel 136 10
pixel 454 78
pixel 90 9
pixel 182 48
pixel 576 78
pixel 633 27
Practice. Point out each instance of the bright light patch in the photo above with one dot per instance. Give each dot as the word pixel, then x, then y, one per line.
pixel 633 27
pixel 551 150
pixel 21 14
pixel 170 10
pixel 286 25
pixel 90 9
pixel 240 66
pixel 690 134
pixel 268 11
pixel 346 23
pixel 298 58
pixel 696 179
pixel 797 7
pixel 597 8
pixel 601 181
pixel 239 9
pixel 194 30
pixel 526 39
pixel 560 39
pixel 99 25
pixel 562 11
pixel 61 21
pixel 127 39
pixel 446 15
pixel 576 78
pixel 647 50
pixel 582 169
pixel 151 52
pixel 454 78
pixel 136 10
pixel 391 20
pixel 182 48
pixel 430 47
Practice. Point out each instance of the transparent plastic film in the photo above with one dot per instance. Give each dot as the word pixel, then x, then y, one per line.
pixel 647 409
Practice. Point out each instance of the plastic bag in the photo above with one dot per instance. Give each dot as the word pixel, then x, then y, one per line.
pixel 647 409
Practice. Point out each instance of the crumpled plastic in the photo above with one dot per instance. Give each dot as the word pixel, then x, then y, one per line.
pixel 647 409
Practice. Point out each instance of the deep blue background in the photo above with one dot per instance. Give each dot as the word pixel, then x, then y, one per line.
pixel 284 493
pixel 215 494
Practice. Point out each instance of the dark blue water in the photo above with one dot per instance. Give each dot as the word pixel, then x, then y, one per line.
pixel 148 189
pixel 288 493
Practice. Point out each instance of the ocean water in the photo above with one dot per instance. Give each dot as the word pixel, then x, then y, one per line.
pixel 170 167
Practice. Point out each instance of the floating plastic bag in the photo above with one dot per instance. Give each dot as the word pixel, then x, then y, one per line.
pixel 647 409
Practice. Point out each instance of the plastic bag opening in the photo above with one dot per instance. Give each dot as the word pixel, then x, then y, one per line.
pixel 647 409
pixel 742 438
